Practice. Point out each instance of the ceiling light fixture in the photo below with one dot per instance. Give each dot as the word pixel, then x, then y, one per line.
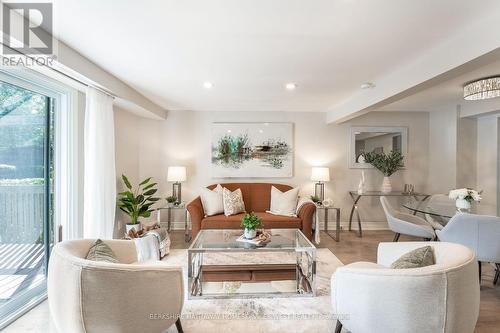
pixel 482 89
pixel 208 85
pixel 290 86
pixel 368 85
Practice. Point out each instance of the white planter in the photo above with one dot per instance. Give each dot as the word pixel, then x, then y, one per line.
pixel 250 234
pixel 462 204
pixel 136 226
pixel 386 185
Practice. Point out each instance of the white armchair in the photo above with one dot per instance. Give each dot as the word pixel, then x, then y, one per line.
pixel 481 233
pixel 444 297
pixel 406 224
pixel 90 296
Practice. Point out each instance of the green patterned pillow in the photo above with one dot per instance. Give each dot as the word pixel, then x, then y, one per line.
pixel 421 257
pixel 100 251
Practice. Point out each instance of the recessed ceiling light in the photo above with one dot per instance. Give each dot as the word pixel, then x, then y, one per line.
pixel 290 86
pixel 368 85
pixel 208 85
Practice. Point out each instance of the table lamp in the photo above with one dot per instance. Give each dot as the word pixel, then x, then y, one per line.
pixel 176 174
pixel 320 175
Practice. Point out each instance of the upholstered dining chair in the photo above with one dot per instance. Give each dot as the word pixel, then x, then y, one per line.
pixel 437 222
pixel 100 297
pixel 481 233
pixel 372 297
pixel 406 224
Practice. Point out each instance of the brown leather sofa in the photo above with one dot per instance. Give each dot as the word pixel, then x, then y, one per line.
pixel 257 198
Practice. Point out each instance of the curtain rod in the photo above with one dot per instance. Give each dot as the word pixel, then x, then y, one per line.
pixel 62 73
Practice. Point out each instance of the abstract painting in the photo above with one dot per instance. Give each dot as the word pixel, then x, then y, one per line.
pixel 252 150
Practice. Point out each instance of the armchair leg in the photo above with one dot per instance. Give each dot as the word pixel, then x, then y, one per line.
pixel 497 274
pixel 479 265
pixel 338 327
pixel 396 237
pixel 179 326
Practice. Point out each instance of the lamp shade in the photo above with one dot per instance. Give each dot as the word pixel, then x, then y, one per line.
pixel 320 174
pixel 176 174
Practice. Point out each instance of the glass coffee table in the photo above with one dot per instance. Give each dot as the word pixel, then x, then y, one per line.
pixel 219 266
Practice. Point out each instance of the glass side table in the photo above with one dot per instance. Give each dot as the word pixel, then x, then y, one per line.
pixel 169 209
pixel 326 214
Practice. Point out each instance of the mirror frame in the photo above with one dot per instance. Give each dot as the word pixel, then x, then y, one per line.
pixel 373 129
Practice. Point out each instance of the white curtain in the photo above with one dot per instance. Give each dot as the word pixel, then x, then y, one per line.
pixel 100 179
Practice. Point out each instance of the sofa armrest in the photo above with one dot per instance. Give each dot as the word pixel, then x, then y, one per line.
pixel 195 209
pixel 306 214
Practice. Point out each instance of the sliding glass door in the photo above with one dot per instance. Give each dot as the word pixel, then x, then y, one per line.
pixel 26 173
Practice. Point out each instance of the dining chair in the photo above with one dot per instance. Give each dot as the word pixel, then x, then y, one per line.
pixel 479 232
pixel 437 222
pixel 406 224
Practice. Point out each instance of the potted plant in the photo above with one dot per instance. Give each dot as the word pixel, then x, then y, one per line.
pixel 316 199
pixel 137 202
pixel 251 222
pixel 171 200
pixel 387 164
pixel 464 197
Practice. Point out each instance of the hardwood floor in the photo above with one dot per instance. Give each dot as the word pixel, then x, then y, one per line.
pixel 352 248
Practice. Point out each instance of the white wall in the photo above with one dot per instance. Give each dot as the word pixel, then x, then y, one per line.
pixel 184 139
pixel 487 163
pixel 442 151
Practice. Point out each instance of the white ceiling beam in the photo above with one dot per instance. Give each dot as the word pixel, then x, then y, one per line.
pixel 466 45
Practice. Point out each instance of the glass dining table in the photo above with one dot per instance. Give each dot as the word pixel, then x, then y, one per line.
pixel 436 205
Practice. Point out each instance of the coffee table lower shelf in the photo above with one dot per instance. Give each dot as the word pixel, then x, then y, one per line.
pixel 270 272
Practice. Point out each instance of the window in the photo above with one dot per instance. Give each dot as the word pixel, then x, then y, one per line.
pixel 35 170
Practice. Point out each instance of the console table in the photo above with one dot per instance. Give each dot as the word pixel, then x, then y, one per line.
pixel 326 220
pixel 357 197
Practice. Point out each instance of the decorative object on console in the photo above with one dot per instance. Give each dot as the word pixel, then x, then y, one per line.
pixel 176 174
pixel 482 89
pixel 320 175
pixel 251 222
pixel 252 150
pixel 464 197
pixel 387 164
pixel 233 202
pixel 361 185
pixel 171 200
pixel 137 203
pixel 284 203
pixel 327 202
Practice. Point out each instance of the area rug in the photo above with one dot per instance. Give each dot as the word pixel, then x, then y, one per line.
pixel 259 315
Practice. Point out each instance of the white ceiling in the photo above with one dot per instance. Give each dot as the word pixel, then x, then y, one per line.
pixel 448 94
pixel 250 48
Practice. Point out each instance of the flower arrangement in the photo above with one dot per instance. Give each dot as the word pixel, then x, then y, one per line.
pixel 385 163
pixel 466 194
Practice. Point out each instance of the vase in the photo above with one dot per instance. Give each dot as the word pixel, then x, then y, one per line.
pixel 136 226
pixel 462 204
pixel 386 185
pixel 250 233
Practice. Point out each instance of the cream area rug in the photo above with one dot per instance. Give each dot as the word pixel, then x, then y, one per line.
pixel 259 315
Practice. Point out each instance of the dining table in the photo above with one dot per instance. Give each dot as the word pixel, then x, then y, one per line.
pixel 439 206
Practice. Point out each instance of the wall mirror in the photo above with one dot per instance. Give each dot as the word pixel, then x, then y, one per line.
pixel 375 139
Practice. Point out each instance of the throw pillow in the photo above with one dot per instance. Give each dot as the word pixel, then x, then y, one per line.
pixel 233 202
pixel 421 257
pixel 284 203
pixel 100 251
pixel 212 201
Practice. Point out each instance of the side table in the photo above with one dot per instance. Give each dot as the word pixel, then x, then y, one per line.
pixel 326 218
pixel 169 209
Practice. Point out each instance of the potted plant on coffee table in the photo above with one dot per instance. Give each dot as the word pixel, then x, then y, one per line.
pixel 387 164
pixel 251 223
pixel 137 202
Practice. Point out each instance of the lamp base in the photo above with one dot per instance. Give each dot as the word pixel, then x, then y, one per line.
pixel 319 191
pixel 177 192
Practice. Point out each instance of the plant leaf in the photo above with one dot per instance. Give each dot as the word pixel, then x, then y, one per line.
pixel 145 181
pixel 127 182
pixel 150 192
pixel 147 187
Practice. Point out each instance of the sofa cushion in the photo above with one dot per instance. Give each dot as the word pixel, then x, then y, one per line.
pixel 284 203
pixel 212 201
pixel 421 257
pixel 100 251
pixel 269 221
pixel 233 202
